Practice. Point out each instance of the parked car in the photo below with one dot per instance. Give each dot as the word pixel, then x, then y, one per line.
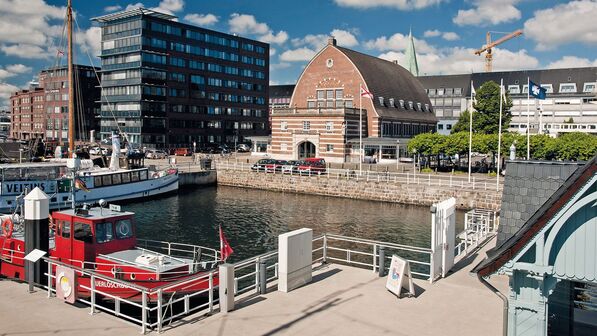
pixel 213 148
pixel 312 166
pixel 261 164
pixel 243 148
pixel 275 166
pixel 155 154
pixel 291 167
pixel 183 151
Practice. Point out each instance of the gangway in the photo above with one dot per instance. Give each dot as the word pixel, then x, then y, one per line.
pixel 479 226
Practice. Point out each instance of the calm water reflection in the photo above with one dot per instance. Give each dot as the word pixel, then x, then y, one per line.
pixel 252 219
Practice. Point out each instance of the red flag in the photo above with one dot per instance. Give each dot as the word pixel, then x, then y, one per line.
pixel 225 249
pixel 365 93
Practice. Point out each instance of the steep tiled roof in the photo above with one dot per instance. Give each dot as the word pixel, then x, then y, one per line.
pixel 390 80
pixel 528 184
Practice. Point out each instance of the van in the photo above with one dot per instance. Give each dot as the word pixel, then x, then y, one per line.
pixel 184 151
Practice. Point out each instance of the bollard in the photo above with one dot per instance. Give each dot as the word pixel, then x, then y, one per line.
pixel 36 234
pixel 262 277
pixel 226 287
pixel 382 261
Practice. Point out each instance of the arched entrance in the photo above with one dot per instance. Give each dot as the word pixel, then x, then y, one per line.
pixel 306 149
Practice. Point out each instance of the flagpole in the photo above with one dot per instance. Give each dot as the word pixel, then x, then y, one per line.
pixel 360 130
pixel 499 158
pixel 470 136
pixel 528 118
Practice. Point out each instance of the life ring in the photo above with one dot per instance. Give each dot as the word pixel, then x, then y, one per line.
pixel 7 228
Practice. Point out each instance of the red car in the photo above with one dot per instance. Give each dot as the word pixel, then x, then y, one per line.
pixel 312 166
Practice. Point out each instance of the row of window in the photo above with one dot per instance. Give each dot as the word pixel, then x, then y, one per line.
pixel 588 87
pixel 398 129
pixel 200 124
pixel 104 232
pixel 217 110
pixel 182 63
pixel 444 91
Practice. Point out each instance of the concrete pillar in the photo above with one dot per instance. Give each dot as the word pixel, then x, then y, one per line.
pixel 37 211
pixel 226 289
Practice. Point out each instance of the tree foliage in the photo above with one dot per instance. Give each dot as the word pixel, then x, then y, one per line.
pixel 487 111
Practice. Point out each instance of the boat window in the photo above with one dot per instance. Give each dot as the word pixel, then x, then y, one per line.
pixel 135 176
pixel 116 179
pixel 124 228
pixel 104 232
pixel 126 177
pixel 65 231
pixel 97 181
pixel 106 180
pixel 143 175
pixel 83 232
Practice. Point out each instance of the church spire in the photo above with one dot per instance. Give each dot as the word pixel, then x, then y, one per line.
pixel 411 56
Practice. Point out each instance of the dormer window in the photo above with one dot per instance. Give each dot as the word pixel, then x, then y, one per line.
pixel 419 106
pixel 391 102
pixel 401 103
pixel 426 107
pixel 411 105
pixel 381 101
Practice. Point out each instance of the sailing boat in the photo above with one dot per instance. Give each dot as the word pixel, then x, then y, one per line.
pixel 74 181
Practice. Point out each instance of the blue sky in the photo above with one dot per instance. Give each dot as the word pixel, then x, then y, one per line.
pixel 556 33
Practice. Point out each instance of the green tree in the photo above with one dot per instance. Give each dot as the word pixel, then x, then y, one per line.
pixel 575 146
pixel 487 111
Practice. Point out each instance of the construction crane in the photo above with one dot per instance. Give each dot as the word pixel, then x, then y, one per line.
pixel 488 47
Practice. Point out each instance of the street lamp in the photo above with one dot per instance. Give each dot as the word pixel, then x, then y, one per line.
pixel 414 161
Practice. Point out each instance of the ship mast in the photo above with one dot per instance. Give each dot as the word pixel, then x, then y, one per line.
pixel 71 90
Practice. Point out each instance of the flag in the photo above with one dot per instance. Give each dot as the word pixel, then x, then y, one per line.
pixel 225 249
pixel 537 91
pixel 503 95
pixel 80 184
pixel 365 93
pixel 60 52
pixel 473 93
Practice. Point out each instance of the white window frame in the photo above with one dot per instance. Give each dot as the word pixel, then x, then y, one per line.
pixel 306 125
pixel 517 91
pixel 329 148
pixel 329 125
pixel 284 147
pixel 525 88
pixel 565 84
pixel 548 88
pixel 584 89
pixel 284 125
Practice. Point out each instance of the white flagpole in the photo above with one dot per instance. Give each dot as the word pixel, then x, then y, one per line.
pixel 470 136
pixel 360 129
pixel 528 118
pixel 540 117
pixel 499 158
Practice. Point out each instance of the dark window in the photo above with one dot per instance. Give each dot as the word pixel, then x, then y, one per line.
pixel 104 232
pixel 107 180
pixel 97 181
pixel 143 175
pixel 124 229
pixel 135 176
pixel 83 232
pixel 116 179
pixel 126 178
pixel 65 229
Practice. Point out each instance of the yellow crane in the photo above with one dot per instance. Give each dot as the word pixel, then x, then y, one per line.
pixel 488 47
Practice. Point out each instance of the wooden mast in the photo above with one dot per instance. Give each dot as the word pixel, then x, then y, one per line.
pixel 71 89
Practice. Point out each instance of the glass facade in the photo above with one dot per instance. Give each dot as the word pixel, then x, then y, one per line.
pixel 169 84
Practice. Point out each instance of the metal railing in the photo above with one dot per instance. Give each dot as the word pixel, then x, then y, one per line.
pixel 440 180
pixel 479 225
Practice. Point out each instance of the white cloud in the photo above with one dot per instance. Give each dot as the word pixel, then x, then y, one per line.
pixel 170 6
pixel 28 51
pixel 488 12
pixel 448 36
pixel 112 8
pixel 246 24
pixel 397 42
pixel 90 41
pixel 565 23
pixel 572 62
pixel 278 66
pixel 134 6
pixel 272 52
pixel 298 55
pixel 18 68
pixel 31 24
pixel 344 38
pixel 462 60
pixel 432 33
pixel 202 19
pixel 399 4
pixel 6 90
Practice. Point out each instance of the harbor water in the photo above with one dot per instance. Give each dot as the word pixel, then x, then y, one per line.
pixel 253 219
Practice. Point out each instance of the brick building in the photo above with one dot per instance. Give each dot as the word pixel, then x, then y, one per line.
pixel 42 110
pixel 323 117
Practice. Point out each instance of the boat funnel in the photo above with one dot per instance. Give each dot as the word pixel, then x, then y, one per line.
pixel 114 159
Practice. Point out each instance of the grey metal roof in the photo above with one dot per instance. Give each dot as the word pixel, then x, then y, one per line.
pixel 131 13
pixel 528 184
pixel 389 80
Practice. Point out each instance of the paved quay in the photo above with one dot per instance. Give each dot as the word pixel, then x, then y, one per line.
pixel 341 300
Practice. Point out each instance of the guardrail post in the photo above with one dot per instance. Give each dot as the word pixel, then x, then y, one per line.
pixel 382 261
pixel 92 282
pixel 325 248
pixel 143 312
pixel 257 261
pixel 160 311
pixel 211 292
pixel 49 279
pixel 374 258
pixel 262 277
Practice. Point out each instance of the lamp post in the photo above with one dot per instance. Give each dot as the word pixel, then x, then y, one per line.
pixel 415 161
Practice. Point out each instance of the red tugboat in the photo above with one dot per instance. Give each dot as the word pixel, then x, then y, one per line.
pixel 103 241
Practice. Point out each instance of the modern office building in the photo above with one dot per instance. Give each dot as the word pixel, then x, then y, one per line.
pixel 170 84
pixel 571 104
pixel 41 111
pixel 323 117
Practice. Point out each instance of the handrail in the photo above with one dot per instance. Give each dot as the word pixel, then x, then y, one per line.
pixel 393 245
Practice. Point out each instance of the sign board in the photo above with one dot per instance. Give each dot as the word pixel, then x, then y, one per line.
pixel 115 208
pixel 66 284
pixel 18 187
pixel 35 255
pixel 399 277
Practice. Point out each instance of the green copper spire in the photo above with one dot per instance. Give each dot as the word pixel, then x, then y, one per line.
pixel 411 56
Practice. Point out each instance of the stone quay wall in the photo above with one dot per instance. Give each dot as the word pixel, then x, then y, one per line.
pixel 396 192
pixel 186 178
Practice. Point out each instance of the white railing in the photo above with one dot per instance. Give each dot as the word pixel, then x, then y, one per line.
pixel 479 226
pixel 187 251
pixel 441 180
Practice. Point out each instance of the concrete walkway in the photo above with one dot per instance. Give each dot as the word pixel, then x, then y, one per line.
pixel 341 300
